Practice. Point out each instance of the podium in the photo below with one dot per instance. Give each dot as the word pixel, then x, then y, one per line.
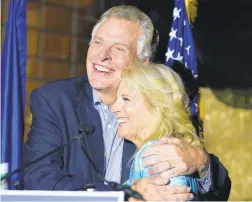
pixel 25 195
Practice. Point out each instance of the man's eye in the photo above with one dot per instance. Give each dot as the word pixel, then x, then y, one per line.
pixel 97 42
pixel 119 49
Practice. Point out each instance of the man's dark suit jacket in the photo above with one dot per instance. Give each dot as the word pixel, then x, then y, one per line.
pixel 58 109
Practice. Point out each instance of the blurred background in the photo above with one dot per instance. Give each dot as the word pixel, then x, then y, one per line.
pixel 57 42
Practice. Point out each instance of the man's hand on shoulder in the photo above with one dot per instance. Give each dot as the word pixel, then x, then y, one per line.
pixel 171 157
pixel 151 192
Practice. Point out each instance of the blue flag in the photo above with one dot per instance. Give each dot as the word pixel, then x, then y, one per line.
pixel 181 45
pixel 13 85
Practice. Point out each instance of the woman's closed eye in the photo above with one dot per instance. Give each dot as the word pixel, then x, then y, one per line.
pixel 126 99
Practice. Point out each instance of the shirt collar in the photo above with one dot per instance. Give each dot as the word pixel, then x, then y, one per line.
pixel 96 98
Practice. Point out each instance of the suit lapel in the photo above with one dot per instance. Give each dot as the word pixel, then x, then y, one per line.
pixel 128 152
pixel 89 115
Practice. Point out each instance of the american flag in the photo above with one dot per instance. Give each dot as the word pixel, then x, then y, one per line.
pixel 181 45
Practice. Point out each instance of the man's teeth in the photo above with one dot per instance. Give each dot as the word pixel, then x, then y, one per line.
pixel 101 69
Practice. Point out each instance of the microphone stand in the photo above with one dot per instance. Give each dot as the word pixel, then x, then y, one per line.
pixel 87 129
pixel 84 130
pixel 113 185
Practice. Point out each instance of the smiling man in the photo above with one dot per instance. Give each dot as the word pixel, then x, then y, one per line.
pixel 122 36
pixel 110 51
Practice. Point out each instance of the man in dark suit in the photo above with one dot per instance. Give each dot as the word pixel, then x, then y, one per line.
pixel 122 35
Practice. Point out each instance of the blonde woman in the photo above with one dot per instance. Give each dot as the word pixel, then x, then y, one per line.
pixel 152 103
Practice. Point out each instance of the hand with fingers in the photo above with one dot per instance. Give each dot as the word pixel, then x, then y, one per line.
pixel 147 188
pixel 170 157
pixel 162 184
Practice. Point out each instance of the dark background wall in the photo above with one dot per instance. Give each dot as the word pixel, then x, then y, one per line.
pixel 223 35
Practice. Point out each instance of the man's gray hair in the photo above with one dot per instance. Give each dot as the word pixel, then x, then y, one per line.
pixel 131 13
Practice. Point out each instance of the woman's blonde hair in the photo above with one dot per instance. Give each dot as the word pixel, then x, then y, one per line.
pixel 165 95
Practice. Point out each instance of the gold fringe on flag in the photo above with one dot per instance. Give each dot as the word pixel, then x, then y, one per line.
pixel 191 9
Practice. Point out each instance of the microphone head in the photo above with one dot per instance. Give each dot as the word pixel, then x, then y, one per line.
pixel 87 129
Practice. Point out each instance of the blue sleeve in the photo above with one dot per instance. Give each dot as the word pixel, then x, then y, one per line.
pixel 137 170
pixel 187 181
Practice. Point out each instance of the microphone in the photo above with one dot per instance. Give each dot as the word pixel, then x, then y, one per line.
pixel 88 129
pixel 113 185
